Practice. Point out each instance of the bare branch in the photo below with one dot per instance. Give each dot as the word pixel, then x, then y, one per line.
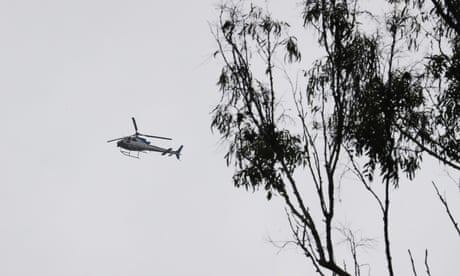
pixel 427 267
pixel 361 177
pixel 301 239
pixel 412 262
pixel 443 200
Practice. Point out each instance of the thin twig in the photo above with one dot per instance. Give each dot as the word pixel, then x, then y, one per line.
pixel 412 262
pixel 427 267
pixel 444 202
pixel 361 177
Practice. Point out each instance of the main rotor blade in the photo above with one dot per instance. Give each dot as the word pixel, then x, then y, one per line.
pixel 153 136
pixel 134 122
pixel 116 139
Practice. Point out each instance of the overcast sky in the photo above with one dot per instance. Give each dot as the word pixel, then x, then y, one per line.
pixel 72 73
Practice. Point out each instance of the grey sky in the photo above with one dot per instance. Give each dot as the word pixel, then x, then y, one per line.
pixel 72 73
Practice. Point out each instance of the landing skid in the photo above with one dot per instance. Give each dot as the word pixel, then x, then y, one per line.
pixel 128 153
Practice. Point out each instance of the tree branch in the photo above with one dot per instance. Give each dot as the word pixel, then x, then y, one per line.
pixel 446 206
pixel 412 263
pixel 427 267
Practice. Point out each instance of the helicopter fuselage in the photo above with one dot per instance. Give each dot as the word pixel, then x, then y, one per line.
pixel 138 144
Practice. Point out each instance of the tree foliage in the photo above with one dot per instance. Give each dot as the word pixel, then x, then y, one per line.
pixel 246 115
pixel 357 99
pixel 435 128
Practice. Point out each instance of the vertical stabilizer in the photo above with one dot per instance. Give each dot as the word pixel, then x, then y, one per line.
pixel 177 152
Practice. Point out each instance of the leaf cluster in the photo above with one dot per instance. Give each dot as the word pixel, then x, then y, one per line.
pixel 245 116
pixel 436 129
pixel 377 109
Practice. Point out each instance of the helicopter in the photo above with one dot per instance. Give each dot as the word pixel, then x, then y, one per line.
pixel 138 144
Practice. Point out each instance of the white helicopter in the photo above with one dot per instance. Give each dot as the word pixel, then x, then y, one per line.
pixel 138 144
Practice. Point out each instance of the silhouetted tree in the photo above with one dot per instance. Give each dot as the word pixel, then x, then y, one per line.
pixel 436 127
pixel 357 105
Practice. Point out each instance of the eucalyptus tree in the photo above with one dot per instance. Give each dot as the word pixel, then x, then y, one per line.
pixel 264 152
pixel 356 106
